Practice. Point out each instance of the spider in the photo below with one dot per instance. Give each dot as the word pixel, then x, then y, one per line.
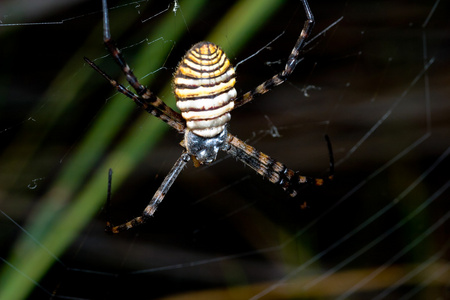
pixel 204 89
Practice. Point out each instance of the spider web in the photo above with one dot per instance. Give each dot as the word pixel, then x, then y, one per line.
pixel 374 81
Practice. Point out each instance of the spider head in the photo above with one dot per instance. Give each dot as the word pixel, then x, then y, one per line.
pixel 205 149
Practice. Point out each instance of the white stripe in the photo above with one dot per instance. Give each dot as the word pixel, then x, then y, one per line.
pixel 204 124
pixel 207 114
pixel 209 132
pixel 207 103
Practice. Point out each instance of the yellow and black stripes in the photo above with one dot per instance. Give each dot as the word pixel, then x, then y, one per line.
pixel 204 88
pixel 273 170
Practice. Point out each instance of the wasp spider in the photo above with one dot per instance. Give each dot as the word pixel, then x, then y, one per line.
pixel 204 90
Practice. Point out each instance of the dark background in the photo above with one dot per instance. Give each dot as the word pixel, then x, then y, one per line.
pixel 222 232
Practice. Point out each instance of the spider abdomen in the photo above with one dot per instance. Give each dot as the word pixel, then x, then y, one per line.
pixel 204 88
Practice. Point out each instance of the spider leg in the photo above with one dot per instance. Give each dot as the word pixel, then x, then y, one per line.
pixel 153 204
pixel 276 172
pixel 292 61
pixel 140 89
pixel 178 125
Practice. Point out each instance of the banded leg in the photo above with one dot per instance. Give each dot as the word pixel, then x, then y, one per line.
pixel 275 171
pixel 178 125
pixel 141 90
pixel 291 63
pixel 153 205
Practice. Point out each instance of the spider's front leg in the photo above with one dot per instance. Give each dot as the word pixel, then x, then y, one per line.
pixel 276 172
pixel 143 92
pixel 153 205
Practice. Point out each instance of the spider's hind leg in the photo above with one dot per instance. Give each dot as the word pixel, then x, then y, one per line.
pixel 296 180
pixel 276 172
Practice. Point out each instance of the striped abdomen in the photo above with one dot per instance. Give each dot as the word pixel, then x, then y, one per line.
pixel 204 88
